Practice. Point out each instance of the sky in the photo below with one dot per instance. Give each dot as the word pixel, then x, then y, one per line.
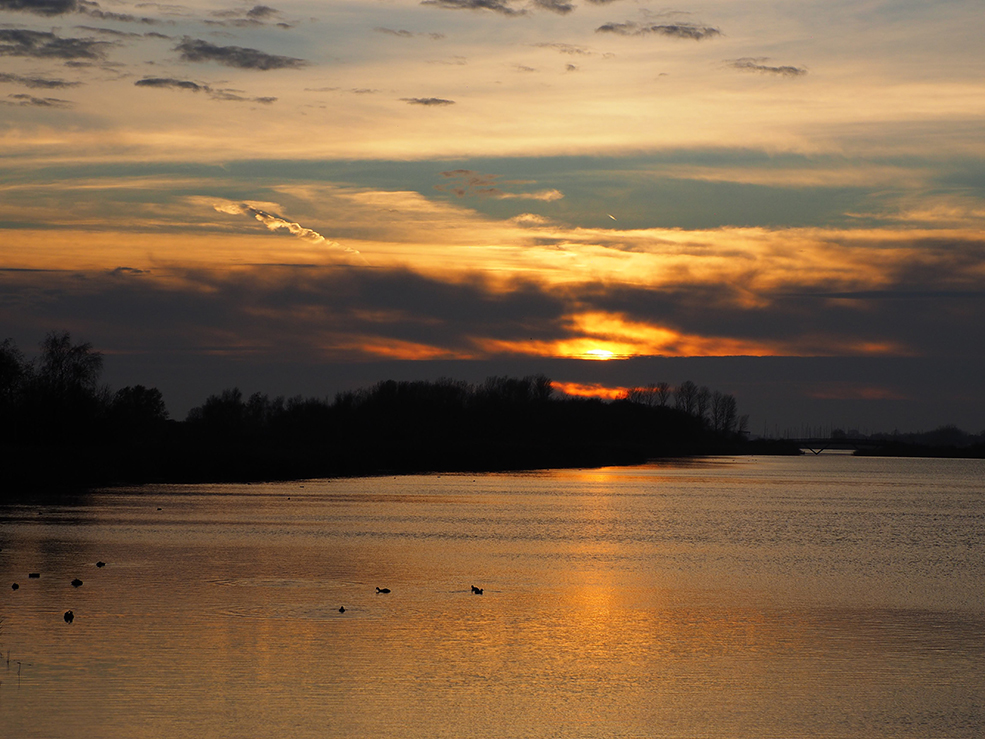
pixel 780 200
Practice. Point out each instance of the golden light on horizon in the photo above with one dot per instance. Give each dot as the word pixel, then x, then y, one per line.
pixel 602 354
pixel 593 390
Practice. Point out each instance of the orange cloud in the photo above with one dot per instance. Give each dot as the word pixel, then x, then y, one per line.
pixel 595 390
pixel 386 348
pixel 602 336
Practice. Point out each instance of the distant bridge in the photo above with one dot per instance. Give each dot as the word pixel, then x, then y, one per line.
pixel 819 444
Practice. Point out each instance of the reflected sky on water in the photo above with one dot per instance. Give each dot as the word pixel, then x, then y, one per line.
pixel 825 596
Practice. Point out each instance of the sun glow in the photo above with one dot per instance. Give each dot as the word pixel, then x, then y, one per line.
pixel 602 354
pixel 594 390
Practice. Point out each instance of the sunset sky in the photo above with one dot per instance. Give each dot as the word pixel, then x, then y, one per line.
pixel 781 200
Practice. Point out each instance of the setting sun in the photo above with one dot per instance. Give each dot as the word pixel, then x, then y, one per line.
pixel 599 354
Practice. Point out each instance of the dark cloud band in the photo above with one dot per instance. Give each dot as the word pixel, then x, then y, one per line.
pixel 560 7
pixel 92 9
pixel 36 102
pixel 758 64
pixel 260 12
pixel 428 101
pixel 40 7
pixel 569 49
pixel 37 83
pixel 496 6
pixel 46 45
pixel 170 83
pixel 196 50
pixel 688 31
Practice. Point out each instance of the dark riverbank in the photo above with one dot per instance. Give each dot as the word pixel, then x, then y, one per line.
pixel 903 449
pixel 61 429
pixel 375 436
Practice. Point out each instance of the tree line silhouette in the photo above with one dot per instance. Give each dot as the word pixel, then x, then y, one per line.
pixel 60 426
pixel 58 397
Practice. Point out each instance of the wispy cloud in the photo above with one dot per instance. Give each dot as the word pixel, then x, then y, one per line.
pixel 41 83
pixel 555 6
pixel 277 223
pixel 690 31
pixel 197 50
pixel 428 101
pixel 46 45
pixel 214 93
pixel 258 15
pixel 393 32
pixel 235 97
pixel 403 33
pixel 544 195
pixel 758 64
pixel 570 49
pixel 496 6
pixel 40 7
pixel 92 9
pixel 30 100
pixel 467 182
pixel 109 32
pixel 168 82
pixel 454 61
pixel 261 12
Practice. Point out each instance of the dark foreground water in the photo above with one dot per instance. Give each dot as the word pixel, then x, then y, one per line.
pixel 824 596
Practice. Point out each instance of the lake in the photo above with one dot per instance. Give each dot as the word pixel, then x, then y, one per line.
pixel 827 596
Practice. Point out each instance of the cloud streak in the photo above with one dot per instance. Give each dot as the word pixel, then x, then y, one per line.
pixel 197 50
pixel 36 102
pixel 495 6
pixel 93 10
pixel 430 102
pixel 561 7
pixel 47 45
pixel 170 83
pixel 403 33
pixel 758 64
pixel 569 49
pixel 40 7
pixel 467 182
pixel 277 223
pixel 37 83
pixel 258 15
pixel 689 31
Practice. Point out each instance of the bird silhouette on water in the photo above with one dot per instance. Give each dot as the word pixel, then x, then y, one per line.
pixel 100 563
pixel 76 583
pixel 341 609
pixel 476 591
pixel 383 590
pixel 14 586
pixel 34 575
pixel 69 617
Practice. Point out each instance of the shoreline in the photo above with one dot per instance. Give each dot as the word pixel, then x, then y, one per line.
pixel 39 470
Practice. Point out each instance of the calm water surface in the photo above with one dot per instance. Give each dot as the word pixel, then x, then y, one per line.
pixel 826 596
